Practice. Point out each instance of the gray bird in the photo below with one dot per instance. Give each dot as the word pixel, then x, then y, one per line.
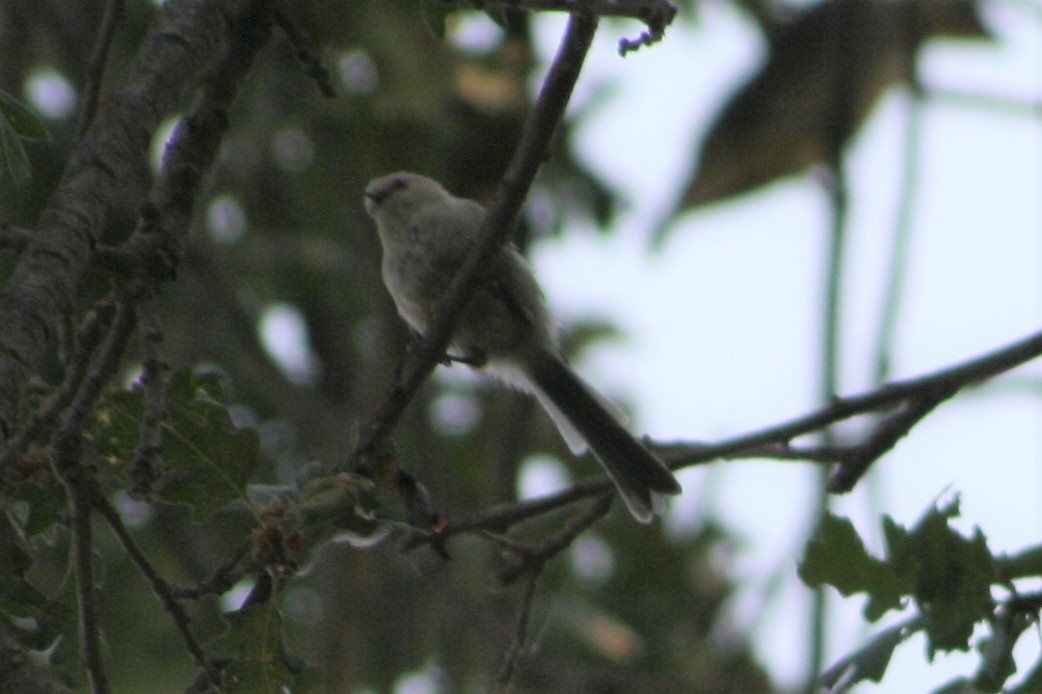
pixel 506 328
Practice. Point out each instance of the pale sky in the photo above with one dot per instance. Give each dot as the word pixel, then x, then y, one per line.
pixel 722 322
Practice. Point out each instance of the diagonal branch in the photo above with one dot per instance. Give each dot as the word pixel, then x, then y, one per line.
pixel 497 226
pixel 160 587
pixel 914 399
pixel 110 156
pixel 944 383
pixel 113 16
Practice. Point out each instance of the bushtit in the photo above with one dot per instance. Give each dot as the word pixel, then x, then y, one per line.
pixel 426 234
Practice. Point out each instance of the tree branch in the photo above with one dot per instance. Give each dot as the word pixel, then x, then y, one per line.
pixel 534 559
pixel 15 238
pixel 146 467
pixel 89 335
pixel 513 655
pixel 96 67
pixel 78 481
pixel 496 228
pixel 917 397
pixel 651 12
pixel 111 155
pixel 655 14
pixel 944 383
pixel 160 588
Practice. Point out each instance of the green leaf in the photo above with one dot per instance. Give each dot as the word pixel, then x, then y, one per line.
pixel 45 498
pixel 207 460
pixel 838 558
pixel 259 662
pixel 17 596
pixel 17 122
pixel 13 159
pixel 22 119
pixel 951 575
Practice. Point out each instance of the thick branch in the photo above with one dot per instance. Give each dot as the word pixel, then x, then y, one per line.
pixel 111 155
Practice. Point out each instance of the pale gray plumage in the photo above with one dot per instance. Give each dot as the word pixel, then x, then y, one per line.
pixel 426 234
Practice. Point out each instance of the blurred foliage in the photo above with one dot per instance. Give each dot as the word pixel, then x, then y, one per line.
pixel 207 460
pixel 253 442
pixel 826 68
pixel 250 443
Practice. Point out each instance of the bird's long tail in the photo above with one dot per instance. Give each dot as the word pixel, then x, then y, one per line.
pixel 643 480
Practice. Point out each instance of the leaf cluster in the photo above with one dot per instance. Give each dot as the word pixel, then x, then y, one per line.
pixel 948 581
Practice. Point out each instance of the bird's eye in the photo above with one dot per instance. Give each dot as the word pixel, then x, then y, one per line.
pixel 398 184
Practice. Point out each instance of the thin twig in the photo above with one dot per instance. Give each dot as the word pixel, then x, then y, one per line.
pixel 902 242
pixel 530 564
pixel 146 466
pixel 840 124
pixel 104 367
pixel 889 431
pixel 513 654
pixel 304 50
pixel 655 14
pixel 221 580
pixel 497 226
pixel 997 103
pixel 88 336
pixel 841 671
pixel 96 67
pixel 160 588
pixel 533 560
pixel 67 460
pixel 951 379
pixel 66 447
pixel 78 481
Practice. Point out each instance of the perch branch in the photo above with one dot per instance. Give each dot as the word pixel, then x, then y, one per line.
pixel 496 228
pixel 944 382
pixel 915 398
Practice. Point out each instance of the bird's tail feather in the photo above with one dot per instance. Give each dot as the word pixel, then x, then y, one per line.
pixel 642 479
